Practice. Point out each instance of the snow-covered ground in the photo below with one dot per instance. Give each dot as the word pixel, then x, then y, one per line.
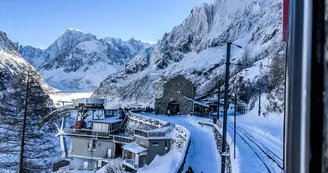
pixel 165 163
pixel 258 139
pixel 259 142
pixel 58 96
pixel 202 154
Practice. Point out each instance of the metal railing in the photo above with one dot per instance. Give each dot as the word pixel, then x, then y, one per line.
pixel 86 131
pixel 141 133
pixel 93 133
pixel 147 134
pixel 123 139
pixel 156 134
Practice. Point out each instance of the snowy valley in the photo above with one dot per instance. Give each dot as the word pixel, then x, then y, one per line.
pixel 78 61
pixel 131 74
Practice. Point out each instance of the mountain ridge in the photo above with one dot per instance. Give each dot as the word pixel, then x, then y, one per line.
pixel 80 61
pixel 196 49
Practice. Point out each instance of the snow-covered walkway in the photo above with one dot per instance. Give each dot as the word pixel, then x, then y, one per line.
pixel 203 154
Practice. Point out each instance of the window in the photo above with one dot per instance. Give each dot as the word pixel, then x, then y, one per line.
pixel 100 127
pixel 141 141
pixel 165 144
pixel 85 165
pixel 155 144
pixel 109 153
pixel 92 145
pixel 99 163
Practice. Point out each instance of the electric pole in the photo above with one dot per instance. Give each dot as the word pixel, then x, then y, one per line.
pixel 235 123
pixel 225 116
pixel 218 110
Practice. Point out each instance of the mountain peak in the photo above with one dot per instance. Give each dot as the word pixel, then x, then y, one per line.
pixel 76 55
pixel 6 44
pixel 132 39
pixel 71 32
pixel 73 29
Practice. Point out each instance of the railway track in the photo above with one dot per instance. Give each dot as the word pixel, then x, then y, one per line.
pixel 262 146
pixel 260 150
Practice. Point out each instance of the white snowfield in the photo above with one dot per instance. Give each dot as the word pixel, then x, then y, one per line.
pixel 58 96
pixel 202 154
pixel 259 143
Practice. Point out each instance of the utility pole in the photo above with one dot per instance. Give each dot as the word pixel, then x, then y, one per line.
pixel 259 102
pixel 225 116
pixel 235 123
pixel 218 110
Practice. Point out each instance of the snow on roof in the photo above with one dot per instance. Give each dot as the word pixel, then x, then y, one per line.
pixel 134 147
pixel 87 157
pixel 167 136
pixel 161 129
pixel 197 102
pixel 78 171
pixel 167 130
pixel 201 104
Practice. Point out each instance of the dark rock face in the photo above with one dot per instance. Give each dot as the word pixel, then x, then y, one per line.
pixel 31 52
pixel 7 45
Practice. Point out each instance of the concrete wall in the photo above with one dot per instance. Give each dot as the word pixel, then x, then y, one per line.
pixel 141 141
pixel 157 150
pixel 78 163
pixel 153 150
pixel 80 147
pixel 218 139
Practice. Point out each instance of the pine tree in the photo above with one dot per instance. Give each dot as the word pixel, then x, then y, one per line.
pixel 24 145
pixel 277 71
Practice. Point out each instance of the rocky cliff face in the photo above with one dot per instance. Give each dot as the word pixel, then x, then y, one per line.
pixel 80 61
pixel 11 63
pixel 197 48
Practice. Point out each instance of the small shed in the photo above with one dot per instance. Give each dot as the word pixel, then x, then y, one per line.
pixel 134 156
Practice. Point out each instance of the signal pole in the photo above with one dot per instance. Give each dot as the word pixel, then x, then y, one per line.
pixel 225 115
pixel 235 123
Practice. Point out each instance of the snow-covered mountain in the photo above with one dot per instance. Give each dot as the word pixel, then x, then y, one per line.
pixel 80 61
pixel 13 88
pixel 196 49
pixel 11 63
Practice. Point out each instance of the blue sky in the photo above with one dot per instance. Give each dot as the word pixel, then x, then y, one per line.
pixel 40 22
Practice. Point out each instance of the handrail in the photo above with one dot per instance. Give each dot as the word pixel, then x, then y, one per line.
pixel 117 138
